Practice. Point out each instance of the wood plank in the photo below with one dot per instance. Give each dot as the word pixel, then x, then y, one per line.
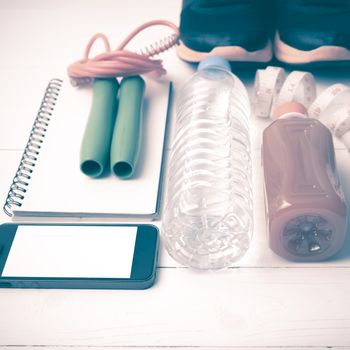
pixel 19 106
pixel 28 347
pixel 238 307
pixel 259 254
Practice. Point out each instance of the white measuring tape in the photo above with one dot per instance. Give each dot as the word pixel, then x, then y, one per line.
pixel 267 86
pixel 332 107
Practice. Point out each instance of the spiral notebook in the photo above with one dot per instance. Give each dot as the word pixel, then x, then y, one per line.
pixel 48 181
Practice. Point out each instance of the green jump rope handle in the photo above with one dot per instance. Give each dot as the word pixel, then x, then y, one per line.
pixel 95 147
pixel 127 130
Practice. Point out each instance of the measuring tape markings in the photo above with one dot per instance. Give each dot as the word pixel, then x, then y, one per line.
pixel 267 85
pixel 332 107
pixel 299 87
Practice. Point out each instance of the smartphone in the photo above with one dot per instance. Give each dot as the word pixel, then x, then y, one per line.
pixel 78 256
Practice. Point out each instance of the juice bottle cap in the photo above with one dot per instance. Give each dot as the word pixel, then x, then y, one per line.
pixel 290 109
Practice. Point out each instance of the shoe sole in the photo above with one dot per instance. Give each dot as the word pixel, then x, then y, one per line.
pixel 231 53
pixel 322 56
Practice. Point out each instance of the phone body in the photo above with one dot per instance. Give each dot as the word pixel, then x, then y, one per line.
pixel 71 256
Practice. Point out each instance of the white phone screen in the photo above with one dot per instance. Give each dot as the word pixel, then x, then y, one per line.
pixel 71 251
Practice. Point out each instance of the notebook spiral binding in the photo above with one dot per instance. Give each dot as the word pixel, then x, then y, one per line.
pixel 29 158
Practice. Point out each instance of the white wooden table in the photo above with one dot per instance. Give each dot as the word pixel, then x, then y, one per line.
pixel 263 302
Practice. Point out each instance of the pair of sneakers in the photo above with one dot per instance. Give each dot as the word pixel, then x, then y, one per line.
pixel 296 32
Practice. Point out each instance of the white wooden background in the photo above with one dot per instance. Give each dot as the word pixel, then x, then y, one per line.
pixel 263 302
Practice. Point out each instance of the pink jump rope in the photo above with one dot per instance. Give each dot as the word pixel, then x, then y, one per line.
pixel 121 62
pixel 112 134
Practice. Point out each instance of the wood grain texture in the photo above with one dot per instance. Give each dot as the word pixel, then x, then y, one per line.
pixel 240 307
pixel 263 303
pixel 29 347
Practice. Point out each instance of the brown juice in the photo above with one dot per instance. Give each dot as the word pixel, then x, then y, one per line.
pixel 305 206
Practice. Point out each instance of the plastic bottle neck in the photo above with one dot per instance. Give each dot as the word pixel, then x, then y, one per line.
pixel 214 62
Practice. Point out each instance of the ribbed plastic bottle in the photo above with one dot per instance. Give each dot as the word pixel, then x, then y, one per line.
pixel 208 215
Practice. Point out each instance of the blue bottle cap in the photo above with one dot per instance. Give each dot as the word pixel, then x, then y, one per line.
pixel 214 61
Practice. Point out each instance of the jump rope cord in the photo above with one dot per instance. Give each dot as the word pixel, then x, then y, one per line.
pixel 121 62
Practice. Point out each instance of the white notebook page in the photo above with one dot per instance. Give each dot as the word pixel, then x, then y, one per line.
pixel 59 188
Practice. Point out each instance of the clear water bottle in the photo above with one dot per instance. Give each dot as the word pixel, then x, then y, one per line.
pixel 208 215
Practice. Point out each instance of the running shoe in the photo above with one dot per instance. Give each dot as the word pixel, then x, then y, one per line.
pixel 312 32
pixel 238 30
